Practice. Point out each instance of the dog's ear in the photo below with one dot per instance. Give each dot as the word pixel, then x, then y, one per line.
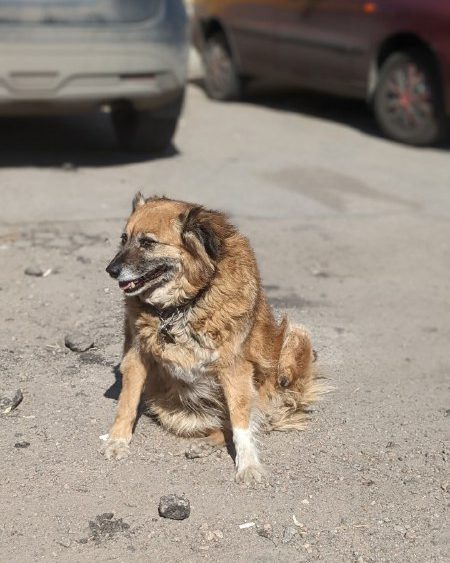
pixel 203 226
pixel 138 201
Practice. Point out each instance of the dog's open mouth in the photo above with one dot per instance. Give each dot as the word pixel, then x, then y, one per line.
pixel 130 286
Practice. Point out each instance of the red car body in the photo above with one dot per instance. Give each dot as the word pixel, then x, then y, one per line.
pixel 335 46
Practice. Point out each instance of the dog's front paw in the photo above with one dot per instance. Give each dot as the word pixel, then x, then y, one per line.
pixel 251 475
pixel 116 448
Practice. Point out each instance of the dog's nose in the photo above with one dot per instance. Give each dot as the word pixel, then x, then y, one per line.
pixel 114 269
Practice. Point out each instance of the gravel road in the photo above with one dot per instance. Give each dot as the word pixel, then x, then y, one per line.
pixel 352 234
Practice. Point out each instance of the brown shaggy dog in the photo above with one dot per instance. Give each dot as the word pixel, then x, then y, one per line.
pixel 201 342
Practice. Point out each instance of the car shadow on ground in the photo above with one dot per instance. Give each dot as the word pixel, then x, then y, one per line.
pixel 65 142
pixel 349 112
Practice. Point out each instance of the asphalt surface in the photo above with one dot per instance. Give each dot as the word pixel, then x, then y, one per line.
pixel 352 235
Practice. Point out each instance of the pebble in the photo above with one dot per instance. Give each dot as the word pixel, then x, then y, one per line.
pixel 288 534
pixel 8 404
pixel 78 341
pixel 83 259
pixel 174 507
pixel 320 273
pixel 22 445
pixel 37 272
pixel 212 535
pixel 265 531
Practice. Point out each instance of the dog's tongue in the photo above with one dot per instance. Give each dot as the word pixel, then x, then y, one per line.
pixel 125 285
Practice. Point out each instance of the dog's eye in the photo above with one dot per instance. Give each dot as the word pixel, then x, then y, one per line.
pixel 124 238
pixel 146 242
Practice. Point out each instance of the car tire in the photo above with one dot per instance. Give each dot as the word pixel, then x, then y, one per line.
pixel 408 102
pixel 149 131
pixel 221 78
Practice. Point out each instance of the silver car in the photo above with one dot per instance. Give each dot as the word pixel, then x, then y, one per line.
pixel 128 57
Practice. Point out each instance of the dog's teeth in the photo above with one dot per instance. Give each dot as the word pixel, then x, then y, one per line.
pixel 132 284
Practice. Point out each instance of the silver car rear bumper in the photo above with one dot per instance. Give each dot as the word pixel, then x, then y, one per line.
pixel 45 69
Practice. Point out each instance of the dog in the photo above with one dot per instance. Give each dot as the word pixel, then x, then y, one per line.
pixel 202 346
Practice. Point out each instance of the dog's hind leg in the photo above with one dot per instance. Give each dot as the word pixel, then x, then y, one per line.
pixel 203 447
pixel 134 374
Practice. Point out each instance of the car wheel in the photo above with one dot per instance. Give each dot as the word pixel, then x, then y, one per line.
pixel 146 131
pixel 408 102
pixel 221 79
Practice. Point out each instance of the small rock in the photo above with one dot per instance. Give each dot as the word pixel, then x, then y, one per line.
pixel 400 529
pixel 320 273
pixel 447 412
pixel 288 534
pixel 390 445
pixel 22 445
pixel 77 341
pixel 207 535
pixel 265 531
pixel 83 259
pixel 174 507
pixel 8 404
pixel 213 535
pixel 37 272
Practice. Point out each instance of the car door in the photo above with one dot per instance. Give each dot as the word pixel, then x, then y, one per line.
pixel 322 42
pixel 252 34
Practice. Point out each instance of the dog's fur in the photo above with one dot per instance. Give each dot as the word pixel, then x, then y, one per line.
pixel 201 342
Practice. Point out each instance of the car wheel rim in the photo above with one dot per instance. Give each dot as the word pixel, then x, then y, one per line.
pixel 408 98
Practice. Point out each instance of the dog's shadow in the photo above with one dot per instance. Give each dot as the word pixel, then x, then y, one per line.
pixel 113 392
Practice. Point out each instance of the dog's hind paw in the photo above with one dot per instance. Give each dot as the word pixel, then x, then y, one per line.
pixel 116 448
pixel 251 475
pixel 200 448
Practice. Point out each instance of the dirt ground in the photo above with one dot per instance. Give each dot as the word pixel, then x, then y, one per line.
pixel 352 235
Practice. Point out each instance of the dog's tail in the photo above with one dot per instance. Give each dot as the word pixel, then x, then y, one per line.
pixel 298 384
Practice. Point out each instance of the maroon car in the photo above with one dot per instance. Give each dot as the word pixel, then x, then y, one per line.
pixel 393 53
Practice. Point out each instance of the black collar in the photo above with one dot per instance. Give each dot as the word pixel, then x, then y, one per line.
pixel 164 314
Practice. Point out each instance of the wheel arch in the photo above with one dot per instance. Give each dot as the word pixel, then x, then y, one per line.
pixel 401 41
pixel 213 26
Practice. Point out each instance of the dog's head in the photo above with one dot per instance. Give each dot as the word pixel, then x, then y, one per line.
pixel 169 250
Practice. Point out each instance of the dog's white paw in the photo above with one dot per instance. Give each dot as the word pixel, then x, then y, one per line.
pixel 116 448
pixel 251 475
pixel 200 448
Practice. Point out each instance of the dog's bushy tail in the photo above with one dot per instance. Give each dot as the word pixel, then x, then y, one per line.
pixel 299 383
pixel 289 408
